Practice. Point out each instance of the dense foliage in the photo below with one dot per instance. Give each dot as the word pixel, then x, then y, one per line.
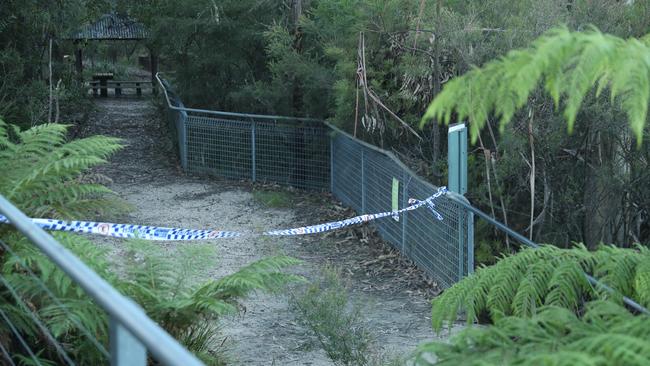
pixel 373 67
pixel 523 283
pixel 43 174
pixel 605 334
pixel 26 29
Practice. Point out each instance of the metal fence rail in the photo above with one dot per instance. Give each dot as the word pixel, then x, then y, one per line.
pixel 307 153
pixel 132 333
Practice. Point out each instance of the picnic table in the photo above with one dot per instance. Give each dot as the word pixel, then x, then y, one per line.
pixel 103 78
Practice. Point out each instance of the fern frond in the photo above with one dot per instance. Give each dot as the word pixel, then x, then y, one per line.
pixel 261 275
pixel 445 308
pixel 617 268
pixel 567 286
pixel 532 290
pixel 622 348
pixel 567 64
pixel 642 281
pixel 41 170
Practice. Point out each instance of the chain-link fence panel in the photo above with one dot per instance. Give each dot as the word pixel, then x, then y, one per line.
pixel 371 180
pixel 287 152
pixel 310 154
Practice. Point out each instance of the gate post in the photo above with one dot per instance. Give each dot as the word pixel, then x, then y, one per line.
pixel 457 182
pixel 253 152
pixel 457 158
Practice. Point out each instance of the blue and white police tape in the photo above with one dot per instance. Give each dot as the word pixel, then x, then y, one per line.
pixel 167 233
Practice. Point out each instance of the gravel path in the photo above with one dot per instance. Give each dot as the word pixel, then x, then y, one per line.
pixel 145 173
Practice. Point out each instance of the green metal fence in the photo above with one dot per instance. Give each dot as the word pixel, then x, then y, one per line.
pixel 312 154
pixel 369 180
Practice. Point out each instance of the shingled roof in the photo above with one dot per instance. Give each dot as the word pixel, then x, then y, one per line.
pixel 112 26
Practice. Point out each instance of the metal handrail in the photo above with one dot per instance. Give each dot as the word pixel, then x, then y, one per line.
pixel 122 310
pixel 229 114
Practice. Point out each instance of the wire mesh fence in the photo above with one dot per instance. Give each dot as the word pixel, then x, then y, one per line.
pixel 289 152
pixel 372 180
pixel 311 154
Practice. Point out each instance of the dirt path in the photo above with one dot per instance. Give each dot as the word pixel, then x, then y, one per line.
pixel 145 174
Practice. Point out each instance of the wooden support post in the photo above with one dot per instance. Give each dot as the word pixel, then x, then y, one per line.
pixel 78 61
pixel 154 70
pixel 103 87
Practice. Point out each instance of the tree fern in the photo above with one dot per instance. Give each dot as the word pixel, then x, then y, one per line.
pixel 171 293
pixel 642 279
pixel 567 65
pixel 607 334
pixel 42 170
pixel 523 283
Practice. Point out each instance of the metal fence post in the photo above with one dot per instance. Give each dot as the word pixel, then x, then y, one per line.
pixel 457 182
pixel 470 243
pixel 405 203
pixel 253 153
pixel 182 138
pixel 363 181
pixel 126 350
pixel 331 164
pixel 457 158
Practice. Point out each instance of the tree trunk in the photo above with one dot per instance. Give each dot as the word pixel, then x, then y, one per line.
pixel 435 127
pixel 601 198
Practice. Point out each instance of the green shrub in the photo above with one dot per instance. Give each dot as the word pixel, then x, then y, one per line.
pixel 337 324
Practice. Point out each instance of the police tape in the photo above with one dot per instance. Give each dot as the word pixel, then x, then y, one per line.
pixel 168 234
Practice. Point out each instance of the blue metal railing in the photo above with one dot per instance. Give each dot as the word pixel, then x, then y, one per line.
pixel 132 333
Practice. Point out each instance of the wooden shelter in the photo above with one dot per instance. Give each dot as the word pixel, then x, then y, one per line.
pixel 112 27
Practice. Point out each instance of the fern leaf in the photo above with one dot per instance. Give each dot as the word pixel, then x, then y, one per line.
pixel 567 64
pixel 642 281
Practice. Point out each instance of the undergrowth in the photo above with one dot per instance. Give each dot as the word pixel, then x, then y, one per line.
pixel 171 291
pixel 273 199
pixel 523 283
pixel 337 324
pixel 605 334
pixel 43 175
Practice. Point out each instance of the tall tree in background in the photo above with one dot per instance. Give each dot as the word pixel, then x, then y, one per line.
pixel 300 58
pixel 26 28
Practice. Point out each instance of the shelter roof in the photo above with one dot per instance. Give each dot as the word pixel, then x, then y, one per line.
pixel 112 26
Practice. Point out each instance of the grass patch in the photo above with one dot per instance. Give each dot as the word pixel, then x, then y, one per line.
pixel 273 199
